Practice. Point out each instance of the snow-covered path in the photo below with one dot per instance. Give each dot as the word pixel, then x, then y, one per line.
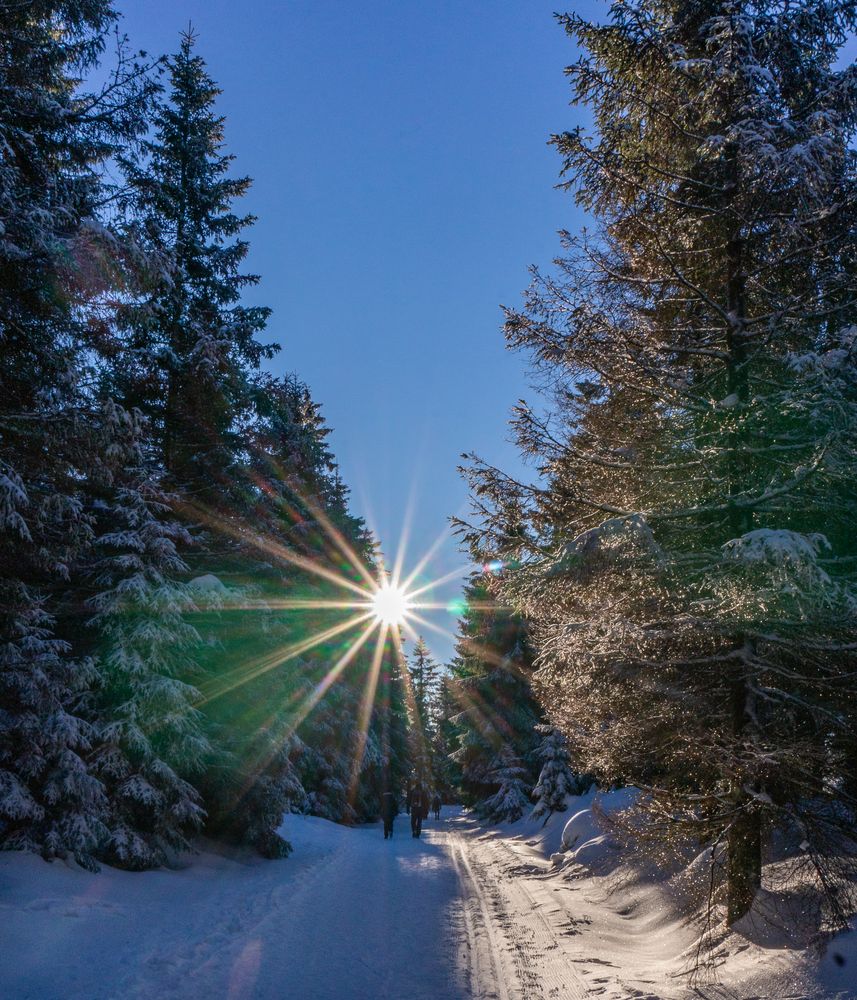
pixel 349 915
pixel 462 914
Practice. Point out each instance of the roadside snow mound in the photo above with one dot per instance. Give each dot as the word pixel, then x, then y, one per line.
pixel 584 839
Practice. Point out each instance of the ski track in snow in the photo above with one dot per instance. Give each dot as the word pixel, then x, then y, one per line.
pixel 515 951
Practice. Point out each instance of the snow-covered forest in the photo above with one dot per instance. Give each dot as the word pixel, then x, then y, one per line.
pixel 654 685
pixel 162 495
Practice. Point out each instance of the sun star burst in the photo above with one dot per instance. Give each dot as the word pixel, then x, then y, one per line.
pixel 390 605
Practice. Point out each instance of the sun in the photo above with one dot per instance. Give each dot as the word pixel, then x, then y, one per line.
pixel 390 604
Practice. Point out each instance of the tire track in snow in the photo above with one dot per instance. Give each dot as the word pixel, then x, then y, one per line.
pixel 559 978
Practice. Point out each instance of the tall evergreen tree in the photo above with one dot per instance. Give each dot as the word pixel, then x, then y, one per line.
pixel 390 720
pixel 688 562
pixel 188 359
pixel 190 343
pixel 425 680
pixel 55 139
pixel 446 772
pixel 422 682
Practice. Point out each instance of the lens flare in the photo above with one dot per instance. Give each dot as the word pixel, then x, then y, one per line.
pixel 390 605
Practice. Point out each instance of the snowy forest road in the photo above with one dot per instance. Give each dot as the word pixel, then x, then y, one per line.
pixel 349 915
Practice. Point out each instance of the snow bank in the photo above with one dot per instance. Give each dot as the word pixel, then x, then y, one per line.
pixel 543 835
pixel 586 839
pixel 208 583
pixel 632 924
pixel 578 834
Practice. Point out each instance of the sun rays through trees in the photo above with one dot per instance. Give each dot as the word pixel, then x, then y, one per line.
pixel 197 633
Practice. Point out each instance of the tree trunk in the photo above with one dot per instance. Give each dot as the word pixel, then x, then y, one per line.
pixel 744 840
pixel 744 865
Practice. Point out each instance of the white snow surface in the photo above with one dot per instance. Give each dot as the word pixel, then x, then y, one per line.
pixel 465 913
pixel 583 837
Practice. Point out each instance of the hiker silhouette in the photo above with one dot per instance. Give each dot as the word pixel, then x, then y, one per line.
pixel 389 811
pixel 419 809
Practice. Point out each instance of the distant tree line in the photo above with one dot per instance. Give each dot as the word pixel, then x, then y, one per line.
pixel 494 749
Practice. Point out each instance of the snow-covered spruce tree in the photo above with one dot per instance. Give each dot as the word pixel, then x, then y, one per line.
pixel 512 797
pixel 492 703
pixel 424 674
pixel 190 344
pixel 189 363
pixel 148 743
pixel 557 780
pixel 425 677
pixel 445 770
pixel 54 139
pixel 688 561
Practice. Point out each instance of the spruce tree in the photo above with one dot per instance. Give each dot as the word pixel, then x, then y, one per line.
pixel 53 261
pixel 390 722
pixel 687 562
pixel 512 797
pixel 447 775
pixel 557 781
pixel 425 679
pixel 190 344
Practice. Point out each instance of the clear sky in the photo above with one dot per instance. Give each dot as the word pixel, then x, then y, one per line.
pixel 403 185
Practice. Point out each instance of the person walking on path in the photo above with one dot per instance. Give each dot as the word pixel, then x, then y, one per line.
pixel 389 811
pixel 419 806
pixel 435 805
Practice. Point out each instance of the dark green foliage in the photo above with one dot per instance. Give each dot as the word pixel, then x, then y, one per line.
pixel 190 341
pixel 493 710
pixel 53 439
pixel 445 770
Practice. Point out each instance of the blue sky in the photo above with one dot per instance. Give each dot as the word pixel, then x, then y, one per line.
pixel 402 184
